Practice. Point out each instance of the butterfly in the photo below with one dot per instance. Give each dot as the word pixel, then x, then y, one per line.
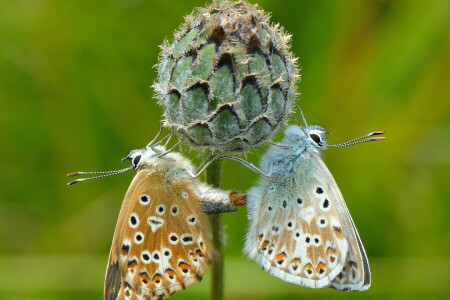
pixel 160 243
pixel 300 228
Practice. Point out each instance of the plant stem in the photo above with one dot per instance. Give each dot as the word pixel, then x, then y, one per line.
pixel 213 177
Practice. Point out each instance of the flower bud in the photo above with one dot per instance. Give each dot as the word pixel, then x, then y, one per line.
pixel 228 79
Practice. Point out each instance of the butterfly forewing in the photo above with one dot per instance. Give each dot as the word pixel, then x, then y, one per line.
pixel 160 243
pixel 300 229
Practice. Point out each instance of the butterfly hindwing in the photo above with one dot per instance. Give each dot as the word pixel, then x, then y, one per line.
pixel 300 228
pixel 355 274
pixel 161 246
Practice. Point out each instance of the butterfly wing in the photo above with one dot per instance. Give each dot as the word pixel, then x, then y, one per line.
pixel 355 274
pixel 160 244
pixel 300 228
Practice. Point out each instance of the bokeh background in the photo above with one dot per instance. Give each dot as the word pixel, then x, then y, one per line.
pixel 74 95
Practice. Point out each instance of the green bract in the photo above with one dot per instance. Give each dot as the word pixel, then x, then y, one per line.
pixel 228 80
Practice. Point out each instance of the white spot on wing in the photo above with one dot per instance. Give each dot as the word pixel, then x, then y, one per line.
pixel 138 238
pixel 160 209
pixel 191 219
pixel 307 214
pixel 174 210
pixel 155 222
pixel 133 221
pixel 144 199
pixel 146 257
pixel 173 238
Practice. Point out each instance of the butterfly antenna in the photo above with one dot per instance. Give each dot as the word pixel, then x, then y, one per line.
pixel 154 139
pixel 301 113
pixel 361 139
pixel 103 174
pixel 295 119
pixel 304 121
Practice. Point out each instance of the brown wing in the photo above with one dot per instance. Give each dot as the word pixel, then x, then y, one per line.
pixel 160 245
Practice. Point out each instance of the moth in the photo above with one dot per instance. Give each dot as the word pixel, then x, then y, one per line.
pixel 300 228
pixel 160 243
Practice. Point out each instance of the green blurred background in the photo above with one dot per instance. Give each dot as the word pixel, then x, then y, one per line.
pixel 74 95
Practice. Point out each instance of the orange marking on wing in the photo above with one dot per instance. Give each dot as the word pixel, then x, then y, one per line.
pixel 184 267
pixel 157 278
pixel 320 268
pixel 296 261
pixel 144 277
pixel 281 256
pixel 264 245
pixel 260 238
pixel 309 269
pixel 171 273
pixel 338 232
pixel 199 253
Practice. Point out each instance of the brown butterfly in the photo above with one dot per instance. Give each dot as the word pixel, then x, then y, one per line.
pixel 160 243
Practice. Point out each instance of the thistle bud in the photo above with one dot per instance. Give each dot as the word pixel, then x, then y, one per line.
pixel 228 79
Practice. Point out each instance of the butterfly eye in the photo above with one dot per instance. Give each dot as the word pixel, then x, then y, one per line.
pixel 316 139
pixel 136 160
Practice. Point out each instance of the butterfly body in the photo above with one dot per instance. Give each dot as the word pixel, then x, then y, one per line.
pixel 160 243
pixel 300 228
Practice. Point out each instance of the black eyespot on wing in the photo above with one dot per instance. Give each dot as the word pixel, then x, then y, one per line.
pixel 326 203
pixel 136 160
pixel 187 239
pixel 126 248
pixel 299 200
pixel 319 190
pixel 316 139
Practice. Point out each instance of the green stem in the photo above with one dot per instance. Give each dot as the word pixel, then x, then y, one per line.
pixel 213 176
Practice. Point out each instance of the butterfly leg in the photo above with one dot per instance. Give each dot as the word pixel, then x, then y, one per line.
pixel 282 146
pixel 247 164
pixel 171 149
pixel 162 140
pixel 154 139
pixel 206 165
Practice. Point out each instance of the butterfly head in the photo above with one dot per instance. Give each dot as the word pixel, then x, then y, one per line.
pixel 316 136
pixel 153 156
pixel 309 136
